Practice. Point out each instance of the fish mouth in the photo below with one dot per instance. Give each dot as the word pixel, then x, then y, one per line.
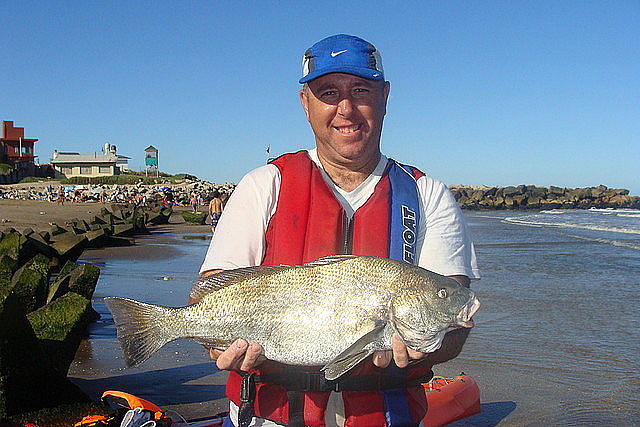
pixel 464 318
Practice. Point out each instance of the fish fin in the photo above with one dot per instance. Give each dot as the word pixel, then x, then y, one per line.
pixel 141 327
pixel 353 355
pixel 218 345
pixel 215 282
pixel 331 259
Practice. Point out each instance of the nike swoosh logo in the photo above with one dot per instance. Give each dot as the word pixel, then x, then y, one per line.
pixel 334 54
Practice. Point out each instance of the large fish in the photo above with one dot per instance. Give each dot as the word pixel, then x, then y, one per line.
pixel 333 312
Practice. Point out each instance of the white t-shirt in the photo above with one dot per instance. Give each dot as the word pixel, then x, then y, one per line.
pixel 444 244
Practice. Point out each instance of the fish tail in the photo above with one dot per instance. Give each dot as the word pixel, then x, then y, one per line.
pixel 141 327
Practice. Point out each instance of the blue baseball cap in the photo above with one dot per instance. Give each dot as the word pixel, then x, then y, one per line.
pixel 342 54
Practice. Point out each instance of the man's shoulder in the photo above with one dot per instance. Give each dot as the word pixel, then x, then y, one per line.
pixel 259 174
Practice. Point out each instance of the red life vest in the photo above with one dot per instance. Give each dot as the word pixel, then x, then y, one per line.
pixel 309 223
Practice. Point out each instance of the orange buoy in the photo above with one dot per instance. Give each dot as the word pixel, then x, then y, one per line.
pixel 451 399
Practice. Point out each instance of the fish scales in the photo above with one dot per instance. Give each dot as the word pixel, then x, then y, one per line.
pixel 309 315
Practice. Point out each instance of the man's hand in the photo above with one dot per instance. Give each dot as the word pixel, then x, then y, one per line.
pixel 240 356
pixel 400 353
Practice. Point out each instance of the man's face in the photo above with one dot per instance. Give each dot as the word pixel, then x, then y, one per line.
pixel 346 114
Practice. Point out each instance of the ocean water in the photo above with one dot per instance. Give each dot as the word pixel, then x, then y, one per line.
pixel 557 339
pixel 556 342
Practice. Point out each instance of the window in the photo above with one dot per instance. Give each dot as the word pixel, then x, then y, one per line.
pixel 85 170
pixel 66 170
pixel 104 169
pixel 26 150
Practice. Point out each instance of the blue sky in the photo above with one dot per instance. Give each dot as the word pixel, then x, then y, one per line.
pixel 482 92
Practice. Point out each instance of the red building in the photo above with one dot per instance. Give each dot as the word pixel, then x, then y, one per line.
pixel 15 149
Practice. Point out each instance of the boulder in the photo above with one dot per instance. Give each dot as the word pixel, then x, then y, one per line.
pixel 555 191
pixel 509 191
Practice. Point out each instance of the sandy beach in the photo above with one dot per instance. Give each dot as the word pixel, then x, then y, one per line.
pixel 39 214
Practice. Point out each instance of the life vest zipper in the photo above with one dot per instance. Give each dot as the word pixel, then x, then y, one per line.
pixel 347 235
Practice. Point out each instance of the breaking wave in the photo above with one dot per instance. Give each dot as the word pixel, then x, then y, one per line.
pixel 597 225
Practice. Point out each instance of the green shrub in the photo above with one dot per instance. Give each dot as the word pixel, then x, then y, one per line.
pixel 185 176
pixel 194 217
pixel 5 169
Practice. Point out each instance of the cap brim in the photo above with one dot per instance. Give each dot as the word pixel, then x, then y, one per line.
pixel 365 73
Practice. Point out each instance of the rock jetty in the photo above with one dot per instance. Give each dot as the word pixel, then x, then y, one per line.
pixel 531 197
pixel 181 192
pixel 45 303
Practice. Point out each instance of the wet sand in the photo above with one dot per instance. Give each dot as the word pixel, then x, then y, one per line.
pixel 158 269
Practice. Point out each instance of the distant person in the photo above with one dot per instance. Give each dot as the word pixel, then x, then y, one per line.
pixel 61 196
pixel 215 210
pixel 194 202
pixel 168 198
pixel 342 197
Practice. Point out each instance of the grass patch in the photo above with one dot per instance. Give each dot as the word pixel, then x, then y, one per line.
pixel 30 179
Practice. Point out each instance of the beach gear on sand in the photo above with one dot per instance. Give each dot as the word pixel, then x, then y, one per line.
pixel 449 399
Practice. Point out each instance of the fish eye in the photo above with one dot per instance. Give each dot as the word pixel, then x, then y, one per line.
pixel 442 293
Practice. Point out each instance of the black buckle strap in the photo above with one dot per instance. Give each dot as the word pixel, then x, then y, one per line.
pixel 247 397
pixel 316 382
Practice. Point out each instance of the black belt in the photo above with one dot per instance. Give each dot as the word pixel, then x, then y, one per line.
pixel 316 382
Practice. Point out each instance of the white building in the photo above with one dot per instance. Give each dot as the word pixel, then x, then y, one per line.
pixel 90 165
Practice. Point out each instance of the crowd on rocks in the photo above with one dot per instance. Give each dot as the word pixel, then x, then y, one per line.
pixel 188 193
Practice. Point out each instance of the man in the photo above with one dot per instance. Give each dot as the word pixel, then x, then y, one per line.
pixel 215 209
pixel 344 196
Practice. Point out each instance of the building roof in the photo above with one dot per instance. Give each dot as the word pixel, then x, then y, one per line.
pixel 151 148
pixel 84 158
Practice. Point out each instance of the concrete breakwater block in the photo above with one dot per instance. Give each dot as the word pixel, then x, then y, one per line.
pixel 83 279
pixel 59 287
pixel 45 304
pixel 60 326
pixel 8 266
pixel 97 238
pixel 160 215
pixel 30 283
pixel 11 245
pixel 28 380
pixel 120 230
pixel 69 245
